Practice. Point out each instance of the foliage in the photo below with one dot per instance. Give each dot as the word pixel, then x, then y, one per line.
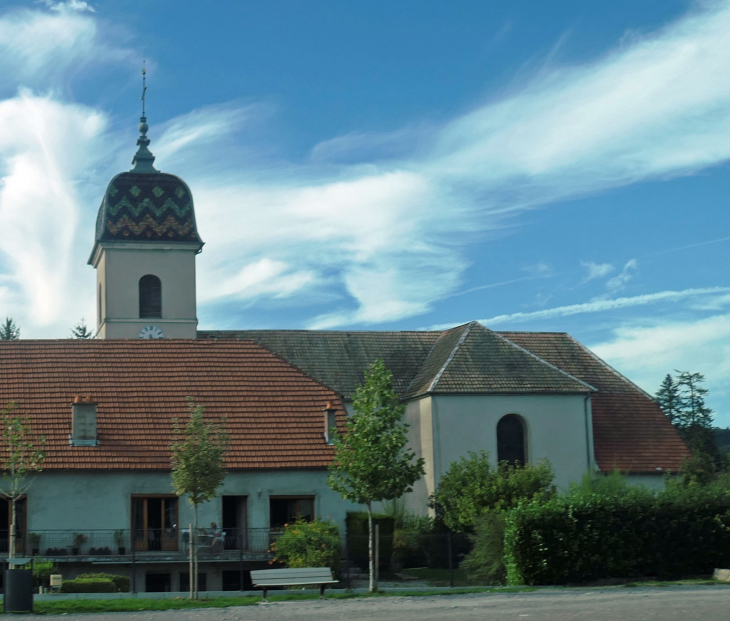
pixel 358 538
pixel 121 583
pixel 681 531
pixel 9 331
pixel 88 585
pixel 198 451
pixel 81 330
pixel 410 534
pixel 22 456
pixel 668 399
pixel 693 411
pixel 485 563
pixel 472 486
pixel 371 461
pixel 119 538
pixel 42 571
pixel 309 544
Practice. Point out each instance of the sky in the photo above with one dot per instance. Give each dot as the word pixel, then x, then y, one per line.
pixel 385 165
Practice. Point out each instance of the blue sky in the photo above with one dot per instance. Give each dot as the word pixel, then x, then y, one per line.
pixel 391 165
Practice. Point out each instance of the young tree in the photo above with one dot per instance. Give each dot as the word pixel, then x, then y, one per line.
pixel 81 330
pixel 23 453
pixel 668 399
pixel 9 331
pixel 371 461
pixel 198 450
pixel 472 487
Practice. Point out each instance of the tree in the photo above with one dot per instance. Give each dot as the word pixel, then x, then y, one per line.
pixel 694 412
pixel 371 462
pixel 22 455
pixel 9 331
pixel 198 451
pixel 81 330
pixel 472 487
pixel 668 399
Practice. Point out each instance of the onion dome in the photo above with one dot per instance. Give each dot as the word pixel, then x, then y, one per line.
pixel 146 205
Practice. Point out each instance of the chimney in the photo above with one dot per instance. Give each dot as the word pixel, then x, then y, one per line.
pixel 330 423
pixel 83 422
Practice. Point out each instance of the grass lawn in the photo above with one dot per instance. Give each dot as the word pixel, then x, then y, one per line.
pixel 135 605
pixel 438 577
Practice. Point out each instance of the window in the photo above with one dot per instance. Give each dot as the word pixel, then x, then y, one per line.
pixel 511 439
pixel 285 509
pixel 98 309
pixel 157 583
pixel 185 581
pixel 6 519
pixel 154 522
pixel 150 297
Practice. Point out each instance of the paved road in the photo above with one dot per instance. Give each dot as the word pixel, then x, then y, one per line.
pixel 710 603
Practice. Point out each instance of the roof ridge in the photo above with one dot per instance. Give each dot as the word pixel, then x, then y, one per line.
pixel 451 356
pixel 610 368
pixel 542 360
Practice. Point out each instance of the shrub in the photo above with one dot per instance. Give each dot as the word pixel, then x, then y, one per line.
pixel 88 586
pixel 679 532
pixel 42 571
pixel 357 534
pixel 309 544
pixel 472 486
pixel 485 563
pixel 120 582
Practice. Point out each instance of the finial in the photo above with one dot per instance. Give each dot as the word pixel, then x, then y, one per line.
pixel 143 159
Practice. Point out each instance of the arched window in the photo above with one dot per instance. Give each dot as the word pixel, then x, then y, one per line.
pixel 150 297
pixel 98 309
pixel 511 439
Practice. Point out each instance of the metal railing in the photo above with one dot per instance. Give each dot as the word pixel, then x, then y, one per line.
pixel 125 542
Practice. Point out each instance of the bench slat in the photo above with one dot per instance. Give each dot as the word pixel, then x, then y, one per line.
pixel 303 572
pixel 268 583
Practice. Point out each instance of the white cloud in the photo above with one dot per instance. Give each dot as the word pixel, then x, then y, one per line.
pixel 615 284
pixel 598 306
pixel 646 353
pixel 70 5
pixel 596 270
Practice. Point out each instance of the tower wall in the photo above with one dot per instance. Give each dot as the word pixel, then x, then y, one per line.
pixel 120 266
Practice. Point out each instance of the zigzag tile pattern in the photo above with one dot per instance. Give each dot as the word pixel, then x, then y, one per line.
pixel 147 207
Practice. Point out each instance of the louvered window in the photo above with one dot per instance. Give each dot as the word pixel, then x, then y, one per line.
pixel 150 297
pixel 511 440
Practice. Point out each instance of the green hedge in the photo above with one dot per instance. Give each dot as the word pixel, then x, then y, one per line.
pixel 357 533
pixel 310 544
pixel 574 539
pixel 88 586
pixel 120 582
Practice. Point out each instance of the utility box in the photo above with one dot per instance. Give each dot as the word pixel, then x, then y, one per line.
pixel 18 596
pixel 56 581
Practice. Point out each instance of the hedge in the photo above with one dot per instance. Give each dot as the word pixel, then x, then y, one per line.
pixel 310 544
pixel 576 539
pixel 88 586
pixel 121 583
pixel 357 533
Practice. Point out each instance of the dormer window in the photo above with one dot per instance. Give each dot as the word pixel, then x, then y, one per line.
pixel 83 422
pixel 150 297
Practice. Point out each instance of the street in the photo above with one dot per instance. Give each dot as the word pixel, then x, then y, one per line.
pixel 708 603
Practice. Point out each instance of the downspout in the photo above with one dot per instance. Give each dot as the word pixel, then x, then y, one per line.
pixel 588 435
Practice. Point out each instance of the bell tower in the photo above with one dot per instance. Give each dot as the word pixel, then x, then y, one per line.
pixel 144 253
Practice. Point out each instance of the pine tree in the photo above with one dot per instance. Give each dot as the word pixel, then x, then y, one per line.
pixel 694 412
pixel 81 330
pixel 9 331
pixel 668 399
pixel 372 462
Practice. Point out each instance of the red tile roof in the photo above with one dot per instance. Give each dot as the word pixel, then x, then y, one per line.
pixel 274 412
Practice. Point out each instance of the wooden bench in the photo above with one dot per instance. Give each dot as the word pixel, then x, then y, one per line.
pixel 266 578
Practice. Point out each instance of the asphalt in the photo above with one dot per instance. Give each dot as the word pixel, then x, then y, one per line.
pixel 675 603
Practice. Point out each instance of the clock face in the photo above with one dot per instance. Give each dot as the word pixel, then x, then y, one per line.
pixel 151 332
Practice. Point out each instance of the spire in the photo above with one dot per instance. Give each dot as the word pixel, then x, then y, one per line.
pixel 143 159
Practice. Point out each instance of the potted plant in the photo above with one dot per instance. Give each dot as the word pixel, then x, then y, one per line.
pixel 79 539
pixel 34 539
pixel 119 540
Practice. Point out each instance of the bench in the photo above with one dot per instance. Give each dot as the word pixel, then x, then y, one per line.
pixel 266 578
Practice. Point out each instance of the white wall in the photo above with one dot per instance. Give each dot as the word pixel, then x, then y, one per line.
pixel 102 500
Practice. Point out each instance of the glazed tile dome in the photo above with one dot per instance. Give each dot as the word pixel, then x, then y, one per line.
pixel 146 205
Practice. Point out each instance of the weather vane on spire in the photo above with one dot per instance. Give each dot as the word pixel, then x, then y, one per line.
pixel 144 84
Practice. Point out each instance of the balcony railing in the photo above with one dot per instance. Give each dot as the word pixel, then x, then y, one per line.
pixel 153 541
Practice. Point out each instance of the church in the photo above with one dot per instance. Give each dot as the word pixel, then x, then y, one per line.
pixel 104 500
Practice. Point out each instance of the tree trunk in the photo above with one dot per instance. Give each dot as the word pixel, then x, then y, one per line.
pixel 11 549
pixel 194 577
pixel 190 554
pixel 373 584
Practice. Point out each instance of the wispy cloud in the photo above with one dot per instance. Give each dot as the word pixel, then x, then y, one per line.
pixel 70 5
pixel 618 282
pixel 596 270
pixel 598 306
